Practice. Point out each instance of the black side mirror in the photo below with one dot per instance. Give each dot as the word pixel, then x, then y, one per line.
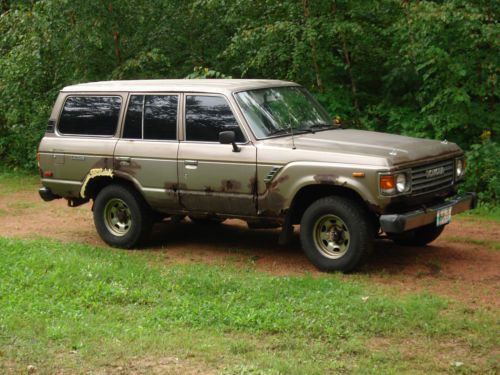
pixel 229 137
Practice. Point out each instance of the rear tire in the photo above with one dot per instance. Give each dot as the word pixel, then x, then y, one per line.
pixel 121 216
pixel 419 236
pixel 336 234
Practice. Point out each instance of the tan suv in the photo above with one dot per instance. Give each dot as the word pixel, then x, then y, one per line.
pixel 260 150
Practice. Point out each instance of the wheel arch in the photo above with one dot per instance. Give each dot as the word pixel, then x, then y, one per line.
pixel 95 181
pixel 308 194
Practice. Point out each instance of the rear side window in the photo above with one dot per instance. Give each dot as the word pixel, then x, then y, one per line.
pixel 90 115
pixel 207 116
pixel 151 117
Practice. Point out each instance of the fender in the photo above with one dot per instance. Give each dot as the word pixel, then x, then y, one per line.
pixel 276 196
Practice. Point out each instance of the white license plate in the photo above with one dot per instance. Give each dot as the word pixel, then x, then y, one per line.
pixel 443 216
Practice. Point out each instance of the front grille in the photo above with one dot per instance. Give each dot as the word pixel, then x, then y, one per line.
pixel 423 180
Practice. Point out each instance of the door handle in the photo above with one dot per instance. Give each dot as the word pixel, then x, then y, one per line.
pixel 124 160
pixel 191 162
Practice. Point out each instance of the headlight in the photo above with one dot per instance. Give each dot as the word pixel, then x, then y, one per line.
pixel 394 184
pixel 459 168
pixel 401 183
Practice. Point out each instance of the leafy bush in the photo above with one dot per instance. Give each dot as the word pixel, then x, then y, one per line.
pixel 483 170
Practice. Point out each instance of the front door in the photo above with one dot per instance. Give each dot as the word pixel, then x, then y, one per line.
pixel 213 178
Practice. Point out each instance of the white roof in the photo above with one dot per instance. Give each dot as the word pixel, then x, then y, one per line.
pixel 187 85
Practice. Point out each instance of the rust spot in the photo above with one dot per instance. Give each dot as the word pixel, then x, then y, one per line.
pixel 104 163
pixel 272 204
pixel 170 186
pixel 274 184
pixel 230 185
pixel 130 168
pixel 252 185
pixel 326 179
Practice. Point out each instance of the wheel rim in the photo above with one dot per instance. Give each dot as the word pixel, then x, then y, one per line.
pixel 331 236
pixel 117 217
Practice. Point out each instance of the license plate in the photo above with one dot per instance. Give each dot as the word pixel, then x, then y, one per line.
pixel 443 216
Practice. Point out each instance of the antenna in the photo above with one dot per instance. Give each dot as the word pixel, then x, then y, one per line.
pixel 293 139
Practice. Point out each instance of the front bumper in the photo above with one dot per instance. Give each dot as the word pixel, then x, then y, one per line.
pixel 397 223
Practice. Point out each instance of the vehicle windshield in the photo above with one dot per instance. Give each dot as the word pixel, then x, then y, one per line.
pixel 282 110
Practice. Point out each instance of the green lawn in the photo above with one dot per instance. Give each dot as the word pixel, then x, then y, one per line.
pixel 78 308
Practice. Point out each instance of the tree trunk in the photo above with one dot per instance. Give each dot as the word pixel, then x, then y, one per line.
pixel 314 55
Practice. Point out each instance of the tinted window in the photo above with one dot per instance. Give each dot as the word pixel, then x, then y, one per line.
pixel 207 116
pixel 90 115
pixel 160 117
pixel 133 119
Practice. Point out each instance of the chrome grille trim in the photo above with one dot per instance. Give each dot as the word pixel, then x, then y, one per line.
pixel 420 184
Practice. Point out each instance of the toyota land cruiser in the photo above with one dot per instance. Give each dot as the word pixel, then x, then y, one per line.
pixel 263 151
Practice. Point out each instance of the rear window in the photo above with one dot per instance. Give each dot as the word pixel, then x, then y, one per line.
pixel 90 115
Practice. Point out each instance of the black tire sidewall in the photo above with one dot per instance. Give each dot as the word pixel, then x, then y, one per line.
pixel 357 225
pixel 140 219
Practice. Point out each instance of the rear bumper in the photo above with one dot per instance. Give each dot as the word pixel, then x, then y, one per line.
pixel 397 223
pixel 47 195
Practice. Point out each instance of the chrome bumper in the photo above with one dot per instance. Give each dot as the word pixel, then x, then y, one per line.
pixel 397 223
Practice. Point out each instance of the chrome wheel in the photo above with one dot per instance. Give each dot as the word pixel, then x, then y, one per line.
pixel 331 236
pixel 117 217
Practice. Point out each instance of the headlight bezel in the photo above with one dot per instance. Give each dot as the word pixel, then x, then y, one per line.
pixel 395 190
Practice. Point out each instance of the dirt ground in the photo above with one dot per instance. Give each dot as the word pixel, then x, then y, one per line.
pixel 461 264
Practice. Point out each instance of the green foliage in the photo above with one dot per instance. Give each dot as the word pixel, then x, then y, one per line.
pixel 421 68
pixel 483 171
pixel 200 72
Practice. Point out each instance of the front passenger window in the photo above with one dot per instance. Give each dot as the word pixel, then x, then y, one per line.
pixel 207 116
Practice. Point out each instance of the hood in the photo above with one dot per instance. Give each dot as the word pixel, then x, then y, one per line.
pixel 397 149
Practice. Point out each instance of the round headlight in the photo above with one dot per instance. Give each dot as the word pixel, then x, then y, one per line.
pixel 459 168
pixel 401 182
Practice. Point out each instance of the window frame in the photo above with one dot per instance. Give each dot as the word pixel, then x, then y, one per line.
pixel 232 108
pixel 144 94
pixel 72 95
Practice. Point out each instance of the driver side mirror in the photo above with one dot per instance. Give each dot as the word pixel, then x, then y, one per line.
pixel 229 137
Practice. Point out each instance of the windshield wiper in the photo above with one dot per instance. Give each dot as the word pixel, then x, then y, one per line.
pixel 314 127
pixel 279 131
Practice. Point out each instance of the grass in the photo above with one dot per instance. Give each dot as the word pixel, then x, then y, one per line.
pixel 13 181
pixel 490 244
pixel 79 308
pixel 482 212
pixel 76 309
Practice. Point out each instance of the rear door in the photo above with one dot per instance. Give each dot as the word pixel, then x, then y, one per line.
pixel 213 178
pixel 147 151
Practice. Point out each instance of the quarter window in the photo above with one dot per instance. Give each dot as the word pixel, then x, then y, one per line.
pixel 151 117
pixel 90 115
pixel 207 116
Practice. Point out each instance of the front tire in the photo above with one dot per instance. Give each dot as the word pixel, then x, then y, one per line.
pixel 419 236
pixel 336 234
pixel 121 216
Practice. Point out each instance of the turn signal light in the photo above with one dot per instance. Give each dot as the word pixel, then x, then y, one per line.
pixel 387 183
